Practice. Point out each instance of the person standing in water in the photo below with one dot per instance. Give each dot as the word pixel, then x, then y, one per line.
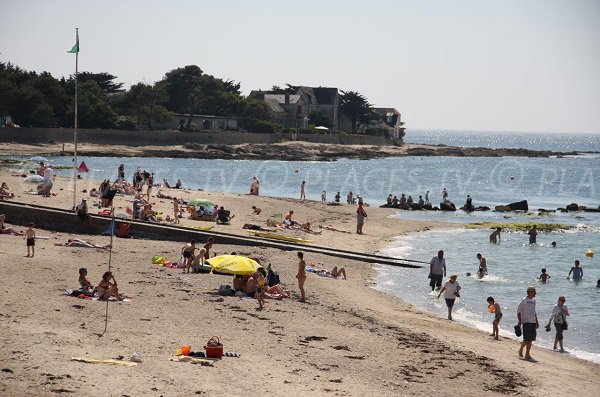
pixel 577 272
pixel 533 234
pixel 495 236
pixel 302 192
pixel 482 264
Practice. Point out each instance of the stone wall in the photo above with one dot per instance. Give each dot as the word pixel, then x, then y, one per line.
pixel 142 138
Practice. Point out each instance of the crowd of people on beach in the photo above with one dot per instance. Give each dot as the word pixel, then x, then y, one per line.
pixel 527 319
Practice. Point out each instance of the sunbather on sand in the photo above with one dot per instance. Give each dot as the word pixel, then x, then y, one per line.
pixel 82 244
pixel 274 291
pixel 106 288
pixel 7 230
pixel 251 226
pixel 5 191
pixel 306 228
pixel 256 210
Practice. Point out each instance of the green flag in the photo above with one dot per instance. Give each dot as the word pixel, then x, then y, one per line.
pixel 75 48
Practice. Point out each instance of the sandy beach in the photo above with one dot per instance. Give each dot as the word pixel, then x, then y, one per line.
pixel 348 339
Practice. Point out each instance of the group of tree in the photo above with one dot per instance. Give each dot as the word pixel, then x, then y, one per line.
pixel 40 100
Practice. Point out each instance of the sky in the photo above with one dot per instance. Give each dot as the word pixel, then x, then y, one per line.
pixel 510 65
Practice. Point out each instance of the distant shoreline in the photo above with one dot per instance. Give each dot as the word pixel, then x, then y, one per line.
pixel 289 151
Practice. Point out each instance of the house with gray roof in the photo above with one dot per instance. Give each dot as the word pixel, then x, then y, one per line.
pixel 294 110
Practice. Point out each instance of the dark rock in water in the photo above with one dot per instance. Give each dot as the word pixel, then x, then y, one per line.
pixel 519 206
pixel 435 209
pixel 543 210
pixel 502 208
pixel 572 207
pixel 447 206
pixel 592 209
pixel 473 208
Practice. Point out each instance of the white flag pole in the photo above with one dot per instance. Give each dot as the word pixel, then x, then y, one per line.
pixel 75 132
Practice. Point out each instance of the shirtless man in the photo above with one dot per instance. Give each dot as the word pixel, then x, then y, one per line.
pixel 495 236
pixel 302 192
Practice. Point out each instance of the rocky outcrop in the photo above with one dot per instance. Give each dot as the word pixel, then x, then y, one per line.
pixel 447 206
pixel 573 207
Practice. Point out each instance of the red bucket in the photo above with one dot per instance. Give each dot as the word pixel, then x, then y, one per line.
pixel 214 348
pixel 214 351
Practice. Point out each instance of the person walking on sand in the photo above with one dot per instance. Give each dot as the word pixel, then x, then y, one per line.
pixel 302 192
pixel 301 276
pixel 559 318
pixel 29 236
pixel 577 272
pixel 527 316
pixel 360 218
pixel 533 234
pixel 437 270
pixel 451 292
pixel 495 236
pixel 494 307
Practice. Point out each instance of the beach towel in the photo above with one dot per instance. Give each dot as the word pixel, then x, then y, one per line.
pixel 73 293
pixel 104 361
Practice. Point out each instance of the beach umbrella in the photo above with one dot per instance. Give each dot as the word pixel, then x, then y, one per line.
pixel 233 264
pixel 34 179
pixel 197 202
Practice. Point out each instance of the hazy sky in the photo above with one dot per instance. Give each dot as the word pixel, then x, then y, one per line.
pixel 512 65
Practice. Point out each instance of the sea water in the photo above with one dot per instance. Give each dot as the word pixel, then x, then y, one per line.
pixel 544 182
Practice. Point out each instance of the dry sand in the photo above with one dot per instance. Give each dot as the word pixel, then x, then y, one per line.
pixel 347 340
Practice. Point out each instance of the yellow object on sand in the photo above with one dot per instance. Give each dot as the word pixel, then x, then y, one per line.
pixel 233 264
pixel 109 361
pixel 275 236
pixel 589 254
pixel 202 227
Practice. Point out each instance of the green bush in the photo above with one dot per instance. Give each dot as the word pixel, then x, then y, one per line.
pixel 259 126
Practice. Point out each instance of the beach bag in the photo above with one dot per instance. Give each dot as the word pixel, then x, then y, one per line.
pixel 226 290
pixel 272 278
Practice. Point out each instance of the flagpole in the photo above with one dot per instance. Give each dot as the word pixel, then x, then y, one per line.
pixel 75 132
pixel 112 233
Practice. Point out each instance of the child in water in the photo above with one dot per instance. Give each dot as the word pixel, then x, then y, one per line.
pixel 544 276
pixel 494 307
